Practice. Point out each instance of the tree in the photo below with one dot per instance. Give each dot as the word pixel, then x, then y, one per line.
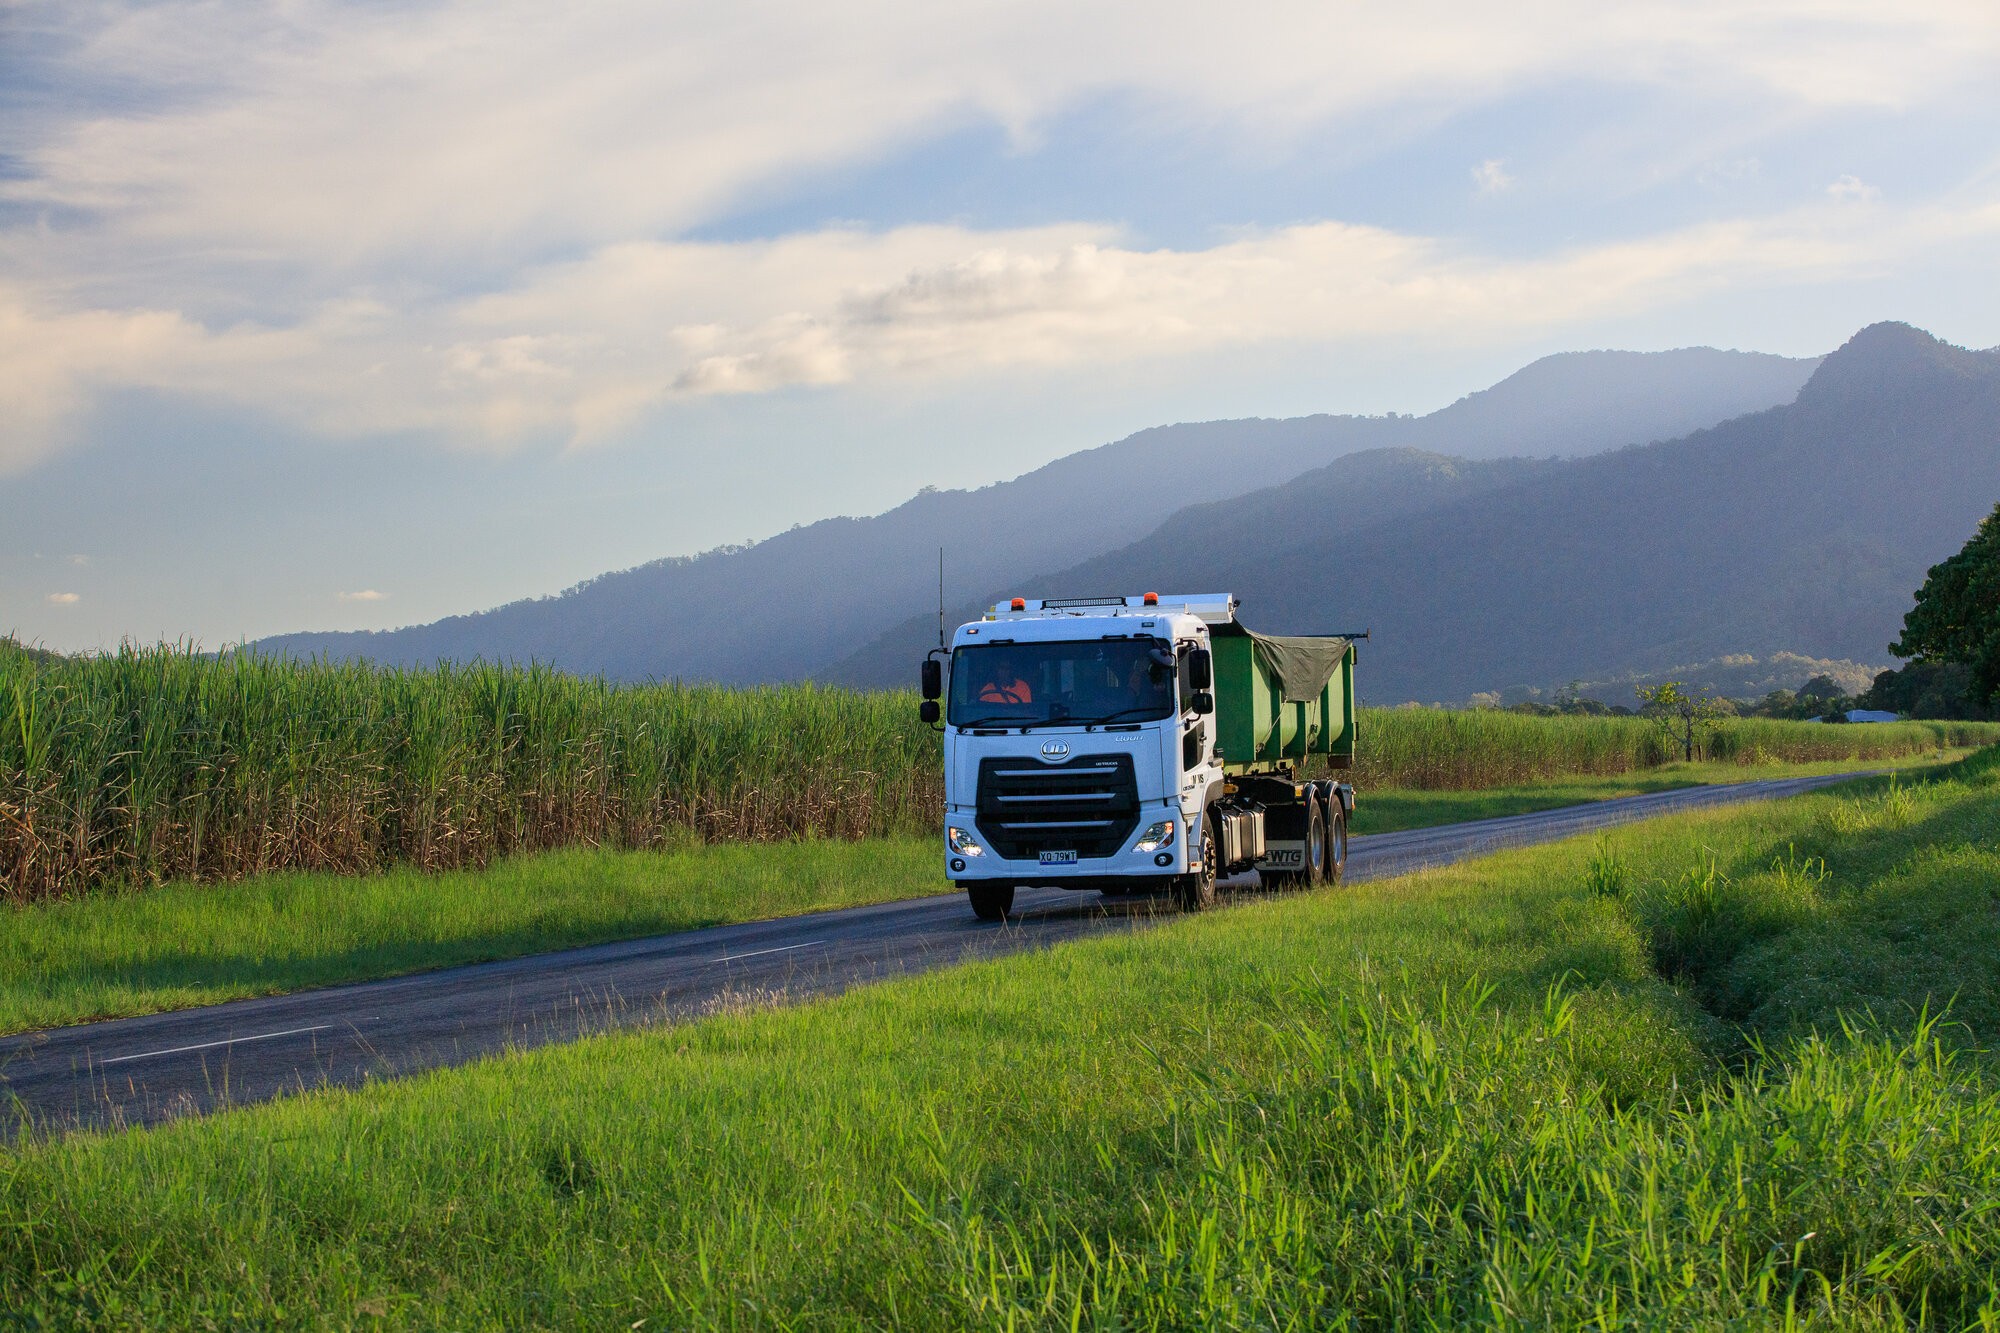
pixel 1927 689
pixel 1778 703
pixel 1957 615
pixel 1572 701
pixel 1822 697
pixel 1682 718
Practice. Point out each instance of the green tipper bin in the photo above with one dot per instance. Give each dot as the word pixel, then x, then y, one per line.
pixel 1278 700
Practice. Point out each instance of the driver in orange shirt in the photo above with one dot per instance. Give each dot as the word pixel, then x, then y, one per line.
pixel 1005 685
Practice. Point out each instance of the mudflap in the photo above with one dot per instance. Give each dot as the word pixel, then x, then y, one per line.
pixel 1283 857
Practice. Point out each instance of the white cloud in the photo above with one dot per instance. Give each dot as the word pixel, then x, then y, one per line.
pixel 579 350
pixel 62 599
pixel 1852 189
pixel 1049 299
pixel 1490 176
pixel 461 220
pixel 364 595
pixel 1716 174
pixel 472 134
pixel 52 359
pixel 49 358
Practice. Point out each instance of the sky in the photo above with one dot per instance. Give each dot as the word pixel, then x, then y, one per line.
pixel 353 315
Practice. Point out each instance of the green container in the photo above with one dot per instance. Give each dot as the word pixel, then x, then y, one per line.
pixel 1280 700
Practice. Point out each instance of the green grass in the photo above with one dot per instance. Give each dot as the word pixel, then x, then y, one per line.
pixel 1466 1097
pixel 190 944
pixel 185 944
pixel 1393 809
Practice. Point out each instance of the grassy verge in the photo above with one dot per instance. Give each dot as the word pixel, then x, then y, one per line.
pixel 1444 750
pixel 189 944
pixel 1470 1096
pixel 1392 809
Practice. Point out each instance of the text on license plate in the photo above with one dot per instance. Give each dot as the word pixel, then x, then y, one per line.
pixel 1058 858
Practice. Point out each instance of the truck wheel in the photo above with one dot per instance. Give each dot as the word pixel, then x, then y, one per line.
pixel 1316 846
pixel 1195 891
pixel 1336 840
pixel 991 902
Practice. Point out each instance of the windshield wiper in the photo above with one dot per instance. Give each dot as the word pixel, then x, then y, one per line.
pixel 1000 722
pixel 1111 717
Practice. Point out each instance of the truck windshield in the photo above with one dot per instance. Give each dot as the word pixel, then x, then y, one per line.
pixel 1061 684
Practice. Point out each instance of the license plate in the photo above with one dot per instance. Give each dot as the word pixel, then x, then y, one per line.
pixel 1058 858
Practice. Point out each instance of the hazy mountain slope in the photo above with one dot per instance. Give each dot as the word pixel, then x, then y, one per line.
pixel 793 605
pixel 781 608
pixel 1800 529
pixel 1351 496
pixel 1618 398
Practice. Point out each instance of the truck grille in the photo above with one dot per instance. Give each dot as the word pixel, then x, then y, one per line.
pixel 1089 805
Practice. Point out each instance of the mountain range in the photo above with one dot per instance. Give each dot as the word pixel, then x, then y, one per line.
pixel 1799 529
pixel 833 599
pixel 1595 516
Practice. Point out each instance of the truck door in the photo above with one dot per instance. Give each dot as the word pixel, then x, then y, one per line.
pixel 1197 733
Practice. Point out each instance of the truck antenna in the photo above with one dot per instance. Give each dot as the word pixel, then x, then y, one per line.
pixel 940 598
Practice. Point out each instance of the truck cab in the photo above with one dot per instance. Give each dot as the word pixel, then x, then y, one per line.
pixel 1083 750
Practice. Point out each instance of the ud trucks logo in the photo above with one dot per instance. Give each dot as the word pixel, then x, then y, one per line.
pixel 1054 752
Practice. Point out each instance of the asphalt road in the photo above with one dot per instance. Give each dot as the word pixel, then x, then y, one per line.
pixel 141 1070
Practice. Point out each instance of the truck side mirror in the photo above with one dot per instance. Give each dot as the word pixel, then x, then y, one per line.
pixel 933 678
pixel 1201 670
pixel 928 712
pixel 1203 702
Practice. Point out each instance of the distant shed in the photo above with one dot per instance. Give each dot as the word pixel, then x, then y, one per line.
pixel 1869 715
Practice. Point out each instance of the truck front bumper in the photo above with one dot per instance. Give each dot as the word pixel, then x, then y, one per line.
pixel 1145 856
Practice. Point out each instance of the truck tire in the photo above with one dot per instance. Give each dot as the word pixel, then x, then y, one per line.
pixel 1336 840
pixel 1195 891
pixel 1317 846
pixel 991 902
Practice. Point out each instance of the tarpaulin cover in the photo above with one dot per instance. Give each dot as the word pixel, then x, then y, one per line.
pixel 1302 667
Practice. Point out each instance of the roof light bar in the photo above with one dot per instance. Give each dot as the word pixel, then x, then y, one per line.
pixel 1215 608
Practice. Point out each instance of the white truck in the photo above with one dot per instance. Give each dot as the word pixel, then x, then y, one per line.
pixel 1138 744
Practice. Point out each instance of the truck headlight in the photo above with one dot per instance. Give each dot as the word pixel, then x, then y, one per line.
pixel 1157 836
pixel 962 842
